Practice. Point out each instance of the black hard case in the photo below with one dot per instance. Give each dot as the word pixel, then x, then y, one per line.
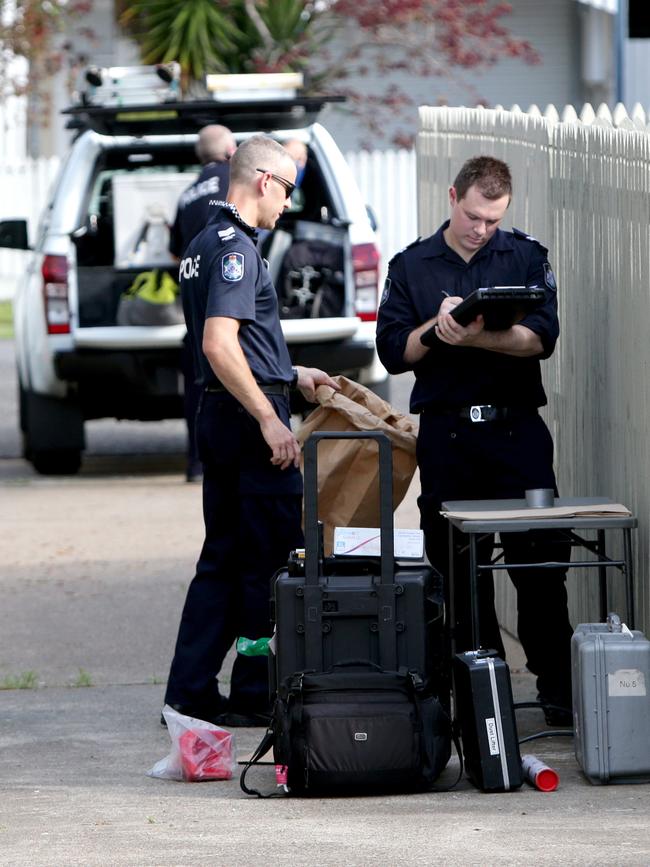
pixel 484 709
pixel 345 609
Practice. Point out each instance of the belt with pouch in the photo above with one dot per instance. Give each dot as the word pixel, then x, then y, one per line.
pixel 279 388
pixel 486 412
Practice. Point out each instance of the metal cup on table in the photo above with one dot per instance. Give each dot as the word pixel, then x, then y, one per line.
pixel 540 498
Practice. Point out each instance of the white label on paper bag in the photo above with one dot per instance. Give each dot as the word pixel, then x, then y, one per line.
pixel 493 737
pixel 626 681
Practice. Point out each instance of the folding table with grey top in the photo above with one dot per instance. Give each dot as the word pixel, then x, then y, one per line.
pixel 571 516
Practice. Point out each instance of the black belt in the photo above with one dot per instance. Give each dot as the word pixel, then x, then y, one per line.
pixel 280 388
pixel 486 412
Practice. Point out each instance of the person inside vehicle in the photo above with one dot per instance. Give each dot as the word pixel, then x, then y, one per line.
pixel 214 147
pixel 470 375
pixel 298 151
pixel 252 487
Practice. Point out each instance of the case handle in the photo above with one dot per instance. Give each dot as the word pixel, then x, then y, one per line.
pixel 312 547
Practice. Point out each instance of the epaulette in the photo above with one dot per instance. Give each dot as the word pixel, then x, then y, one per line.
pixel 404 249
pixel 524 236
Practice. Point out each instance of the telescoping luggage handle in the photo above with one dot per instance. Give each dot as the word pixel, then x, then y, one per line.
pixel 385 500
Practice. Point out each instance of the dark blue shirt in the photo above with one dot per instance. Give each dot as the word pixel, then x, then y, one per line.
pixel 449 377
pixel 222 274
pixel 194 208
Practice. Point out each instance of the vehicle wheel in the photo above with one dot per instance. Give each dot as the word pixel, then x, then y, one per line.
pixel 57 462
pixel 53 433
pixel 22 411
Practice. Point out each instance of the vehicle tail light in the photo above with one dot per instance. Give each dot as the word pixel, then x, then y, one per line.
pixel 55 294
pixel 365 264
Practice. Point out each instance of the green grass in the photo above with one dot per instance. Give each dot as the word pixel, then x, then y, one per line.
pixel 83 678
pixel 26 680
pixel 6 323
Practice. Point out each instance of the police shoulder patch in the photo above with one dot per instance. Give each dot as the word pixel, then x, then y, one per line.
pixel 232 267
pixel 549 276
pixel 386 292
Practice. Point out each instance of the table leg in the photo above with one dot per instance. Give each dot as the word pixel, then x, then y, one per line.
pixel 602 576
pixel 473 591
pixel 450 594
pixel 629 575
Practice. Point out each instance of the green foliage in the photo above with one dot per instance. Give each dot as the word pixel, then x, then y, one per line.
pixel 193 32
pixel 231 36
pixel 26 680
pixel 83 678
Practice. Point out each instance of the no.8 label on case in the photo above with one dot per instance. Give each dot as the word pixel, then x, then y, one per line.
pixel 626 681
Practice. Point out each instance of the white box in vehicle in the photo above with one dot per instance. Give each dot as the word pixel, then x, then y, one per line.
pixel 144 210
pixel 366 542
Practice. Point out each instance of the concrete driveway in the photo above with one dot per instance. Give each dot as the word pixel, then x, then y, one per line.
pixel 93 572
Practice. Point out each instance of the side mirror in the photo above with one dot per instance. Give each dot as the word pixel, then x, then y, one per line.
pixel 372 217
pixel 13 234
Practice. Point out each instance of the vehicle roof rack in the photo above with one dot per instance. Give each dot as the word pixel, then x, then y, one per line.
pixel 189 117
pixel 129 85
pixel 144 100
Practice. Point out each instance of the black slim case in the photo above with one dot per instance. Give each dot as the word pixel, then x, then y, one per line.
pixel 348 611
pixel 488 729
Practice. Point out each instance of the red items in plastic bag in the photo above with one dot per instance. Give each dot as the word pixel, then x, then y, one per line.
pixel 200 750
pixel 206 754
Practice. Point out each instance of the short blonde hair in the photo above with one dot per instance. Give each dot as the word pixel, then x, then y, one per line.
pixel 257 152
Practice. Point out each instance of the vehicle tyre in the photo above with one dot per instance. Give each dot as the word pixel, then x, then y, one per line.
pixel 56 462
pixel 53 433
pixel 22 411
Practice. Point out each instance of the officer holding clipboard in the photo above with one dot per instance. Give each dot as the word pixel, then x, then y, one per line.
pixel 478 392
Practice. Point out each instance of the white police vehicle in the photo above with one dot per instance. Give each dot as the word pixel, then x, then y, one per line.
pixel 107 221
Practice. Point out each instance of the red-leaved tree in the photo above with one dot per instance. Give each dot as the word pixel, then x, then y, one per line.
pixel 391 39
pixel 42 33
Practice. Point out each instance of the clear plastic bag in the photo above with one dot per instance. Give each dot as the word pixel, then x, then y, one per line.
pixel 200 750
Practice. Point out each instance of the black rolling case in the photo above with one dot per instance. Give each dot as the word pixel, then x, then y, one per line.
pixel 333 611
pixel 485 712
pixel 355 709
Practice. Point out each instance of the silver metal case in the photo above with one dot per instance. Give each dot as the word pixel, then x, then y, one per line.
pixel 611 703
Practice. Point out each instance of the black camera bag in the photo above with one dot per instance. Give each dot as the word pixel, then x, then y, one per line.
pixel 351 732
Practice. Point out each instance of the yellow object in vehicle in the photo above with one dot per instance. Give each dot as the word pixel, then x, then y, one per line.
pixel 154 287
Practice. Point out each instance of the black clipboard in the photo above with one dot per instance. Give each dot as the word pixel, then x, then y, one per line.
pixel 501 307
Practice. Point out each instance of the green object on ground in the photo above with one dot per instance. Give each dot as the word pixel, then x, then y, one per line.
pixel 253 647
pixel 6 320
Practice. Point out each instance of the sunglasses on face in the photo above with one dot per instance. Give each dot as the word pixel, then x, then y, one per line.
pixel 289 188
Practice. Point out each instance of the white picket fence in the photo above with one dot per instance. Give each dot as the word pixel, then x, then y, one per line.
pixel 387 181
pixel 582 184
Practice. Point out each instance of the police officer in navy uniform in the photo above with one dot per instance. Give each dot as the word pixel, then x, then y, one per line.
pixel 252 487
pixel 214 147
pixel 478 392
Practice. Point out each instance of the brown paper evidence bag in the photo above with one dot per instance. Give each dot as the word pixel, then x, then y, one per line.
pixel 348 470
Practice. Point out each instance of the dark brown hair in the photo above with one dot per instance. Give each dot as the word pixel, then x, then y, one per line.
pixel 491 176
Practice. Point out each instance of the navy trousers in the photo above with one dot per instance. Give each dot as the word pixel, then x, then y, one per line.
pixel 461 460
pixel 252 512
pixel 191 396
